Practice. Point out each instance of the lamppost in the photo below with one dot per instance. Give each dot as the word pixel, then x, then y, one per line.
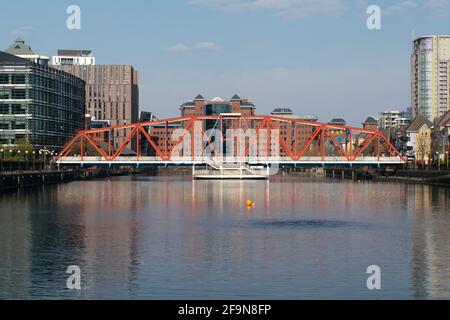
pixel 446 152
pixel 26 159
pixel 10 160
pixel 19 159
pixel 34 159
pixel 1 161
pixel 438 161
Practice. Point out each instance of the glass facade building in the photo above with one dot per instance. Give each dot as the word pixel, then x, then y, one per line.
pixel 38 103
pixel 430 69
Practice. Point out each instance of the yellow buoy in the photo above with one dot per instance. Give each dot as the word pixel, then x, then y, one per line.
pixel 249 203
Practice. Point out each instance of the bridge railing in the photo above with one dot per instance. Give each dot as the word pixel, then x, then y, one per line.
pixel 206 160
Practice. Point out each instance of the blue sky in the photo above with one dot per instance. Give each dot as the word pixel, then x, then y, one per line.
pixel 314 56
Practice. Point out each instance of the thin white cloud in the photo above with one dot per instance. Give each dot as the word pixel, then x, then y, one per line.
pixel 21 31
pixel 437 7
pixel 285 8
pixel 400 7
pixel 440 7
pixel 201 46
pixel 178 48
pixel 208 46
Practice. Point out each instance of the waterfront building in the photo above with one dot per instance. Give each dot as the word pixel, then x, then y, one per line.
pixel 22 50
pixel 394 118
pixel 370 124
pixel 112 91
pixel 199 106
pixel 430 70
pixel 441 137
pixel 299 132
pixel 38 104
pixel 418 135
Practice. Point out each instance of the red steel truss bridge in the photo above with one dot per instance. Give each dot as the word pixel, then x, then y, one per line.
pixel 254 140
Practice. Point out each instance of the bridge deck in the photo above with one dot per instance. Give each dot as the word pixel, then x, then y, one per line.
pixel 132 161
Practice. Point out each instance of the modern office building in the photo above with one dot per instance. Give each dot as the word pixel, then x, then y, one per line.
pixel 430 73
pixel 112 91
pixel 39 104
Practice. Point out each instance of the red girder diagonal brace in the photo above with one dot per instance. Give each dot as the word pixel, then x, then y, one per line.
pixel 308 143
pixel 96 147
pixel 364 146
pixel 68 148
pixel 149 139
pixel 339 148
pixel 125 143
pixel 283 143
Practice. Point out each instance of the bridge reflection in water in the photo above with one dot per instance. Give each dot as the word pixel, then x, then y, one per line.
pixel 170 237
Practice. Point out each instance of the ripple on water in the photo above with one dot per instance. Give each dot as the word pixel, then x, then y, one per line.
pixel 307 224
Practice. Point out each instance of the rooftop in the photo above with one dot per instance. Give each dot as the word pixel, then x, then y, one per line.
pixel 370 120
pixel 6 57
pixel 282 111
pixel 19 47
pixel 417 123
pixel 74 53
pixel 338 121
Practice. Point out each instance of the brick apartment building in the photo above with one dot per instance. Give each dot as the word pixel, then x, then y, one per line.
pixel 199 106
pixel 112 91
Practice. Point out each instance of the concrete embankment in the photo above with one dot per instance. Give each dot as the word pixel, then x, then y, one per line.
pixel 434 177
pixel 441 178
pixel 17 180
pixel 28 179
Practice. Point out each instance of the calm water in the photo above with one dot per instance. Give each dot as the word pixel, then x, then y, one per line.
pixel 172 238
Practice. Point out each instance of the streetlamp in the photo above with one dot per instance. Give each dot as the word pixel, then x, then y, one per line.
pixel 1 161
pixel 19 159
pixel 10 160
pixel 26 159
pixel 438 161
pixel 446 152
pixel 34 159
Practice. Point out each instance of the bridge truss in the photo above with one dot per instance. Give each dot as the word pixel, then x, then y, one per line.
pixel 274 140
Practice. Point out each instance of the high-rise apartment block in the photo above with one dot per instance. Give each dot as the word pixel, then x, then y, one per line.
pixel 112 91
pixel 430 73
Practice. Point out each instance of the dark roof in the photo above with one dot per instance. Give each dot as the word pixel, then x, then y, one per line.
pixel 337 121
pixel 74 53
pixel 418 122
pixel 199 97
pixel 235 97
pixel 282 111
pixel 370 120
pixel 6 57
pixel 445 119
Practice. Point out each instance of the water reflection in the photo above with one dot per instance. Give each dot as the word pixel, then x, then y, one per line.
pixel 171 237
